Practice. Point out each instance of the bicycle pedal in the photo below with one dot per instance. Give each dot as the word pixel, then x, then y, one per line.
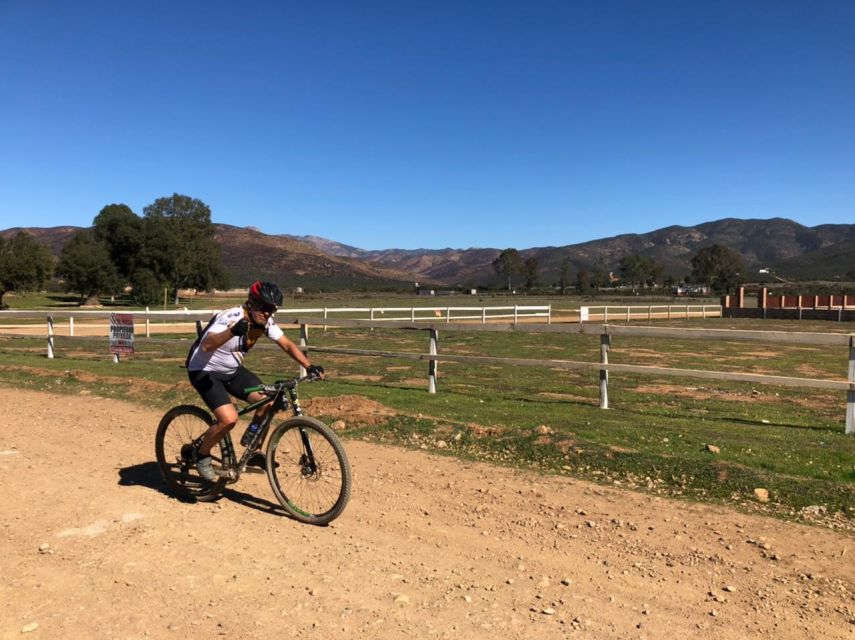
pixel 228 474
pixel 254 470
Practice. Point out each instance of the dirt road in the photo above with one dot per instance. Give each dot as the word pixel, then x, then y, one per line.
pixel 428 548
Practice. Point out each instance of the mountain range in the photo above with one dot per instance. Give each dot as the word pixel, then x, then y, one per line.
pixel 785 247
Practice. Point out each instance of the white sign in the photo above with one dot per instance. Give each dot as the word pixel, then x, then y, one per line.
pixel 122 333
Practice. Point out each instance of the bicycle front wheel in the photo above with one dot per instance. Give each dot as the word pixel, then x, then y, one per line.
pixel 178 431
pixel 308 470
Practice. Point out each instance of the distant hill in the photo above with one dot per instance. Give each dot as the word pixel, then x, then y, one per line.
pixel 787 248
pixel 249 254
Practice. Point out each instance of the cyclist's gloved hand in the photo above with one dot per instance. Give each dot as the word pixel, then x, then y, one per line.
pixel 240 327
pixel 315 371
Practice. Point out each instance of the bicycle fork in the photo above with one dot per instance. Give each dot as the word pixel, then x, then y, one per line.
pixel 308 465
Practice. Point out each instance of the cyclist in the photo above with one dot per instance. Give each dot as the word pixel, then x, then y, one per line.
pixel 215 365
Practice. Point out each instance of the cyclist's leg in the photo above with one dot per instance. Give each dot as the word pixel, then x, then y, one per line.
pixel 243 379
pixel 212 388
pixel 227 417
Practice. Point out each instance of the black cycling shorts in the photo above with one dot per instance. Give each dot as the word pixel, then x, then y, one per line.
pixel 216 387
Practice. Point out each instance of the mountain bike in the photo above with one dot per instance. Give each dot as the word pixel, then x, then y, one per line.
pixel 306 463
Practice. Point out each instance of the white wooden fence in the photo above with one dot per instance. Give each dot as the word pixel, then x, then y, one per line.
pixel 604 331
pixel 515 313
pixel 604 313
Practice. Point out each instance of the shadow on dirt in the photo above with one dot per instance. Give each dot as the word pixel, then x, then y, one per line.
pixel 147 474
pixel 142 475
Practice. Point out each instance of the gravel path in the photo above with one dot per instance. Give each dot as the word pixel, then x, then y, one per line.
pixel 428 548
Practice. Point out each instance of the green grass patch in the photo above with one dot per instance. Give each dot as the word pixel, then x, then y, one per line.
pixel 654 438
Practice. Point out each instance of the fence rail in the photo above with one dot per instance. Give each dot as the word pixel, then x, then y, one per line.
pixel 604 313
pixel 516 313
pixel 605 331
pixel 604 367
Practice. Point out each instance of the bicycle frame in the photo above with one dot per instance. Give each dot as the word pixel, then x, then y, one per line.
pixel 279 403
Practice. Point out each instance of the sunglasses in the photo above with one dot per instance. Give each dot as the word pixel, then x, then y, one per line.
pixel 264 307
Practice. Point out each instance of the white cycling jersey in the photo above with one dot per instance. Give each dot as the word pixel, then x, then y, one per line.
pixel 230 355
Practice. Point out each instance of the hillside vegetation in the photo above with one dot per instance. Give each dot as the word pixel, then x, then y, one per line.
pixel 786 248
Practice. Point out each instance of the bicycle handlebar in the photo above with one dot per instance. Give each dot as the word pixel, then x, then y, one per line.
pixel 277 386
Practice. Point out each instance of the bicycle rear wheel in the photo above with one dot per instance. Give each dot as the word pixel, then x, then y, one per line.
pixel 178 431
pixel 308 470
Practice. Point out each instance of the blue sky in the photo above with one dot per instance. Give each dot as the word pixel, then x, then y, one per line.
pixel 431 124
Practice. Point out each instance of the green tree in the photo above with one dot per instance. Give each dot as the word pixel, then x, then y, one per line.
pixel 146 287
pixel 507 263
pixel 719 267
pixel 530 271
pixel 25 264
pixel 583 281
pixel 121 230
pixel 640 270
pixel 86 268
pixel 179 245
pixel 564 279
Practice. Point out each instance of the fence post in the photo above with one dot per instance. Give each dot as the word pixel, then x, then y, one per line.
pixel 649 312
pixel 71 325
pixel 669 311
pixel 628 313
pixel 483 315
pixel 304 344
pixel 850 395
pixel 325 317
pixel 413 315
pixel 50 336
pixel 605 343
pixel 147 324
pixel 434 340
pixel 549 314
pixel 515 314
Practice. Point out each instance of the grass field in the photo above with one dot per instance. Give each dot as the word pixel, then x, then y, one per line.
pixel 654 437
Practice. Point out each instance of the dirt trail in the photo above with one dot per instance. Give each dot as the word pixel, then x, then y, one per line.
pixel 428 548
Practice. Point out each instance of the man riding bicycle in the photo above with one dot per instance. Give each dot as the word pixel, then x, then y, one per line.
pixel 215 366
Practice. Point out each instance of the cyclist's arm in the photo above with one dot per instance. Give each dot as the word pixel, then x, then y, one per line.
pixel 293 350
pixel 213 340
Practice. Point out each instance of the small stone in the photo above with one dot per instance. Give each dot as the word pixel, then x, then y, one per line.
pixel 761 494
pixel 548 611
pixel 44 547
pixel 338 425
pixel 713 449
pixel 544 430
pixel 441 444
pixel 730 588
pixel 565 582
pixel 402 599
pixel 27 628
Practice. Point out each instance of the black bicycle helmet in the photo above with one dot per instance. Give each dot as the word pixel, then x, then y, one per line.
pixel 265 293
